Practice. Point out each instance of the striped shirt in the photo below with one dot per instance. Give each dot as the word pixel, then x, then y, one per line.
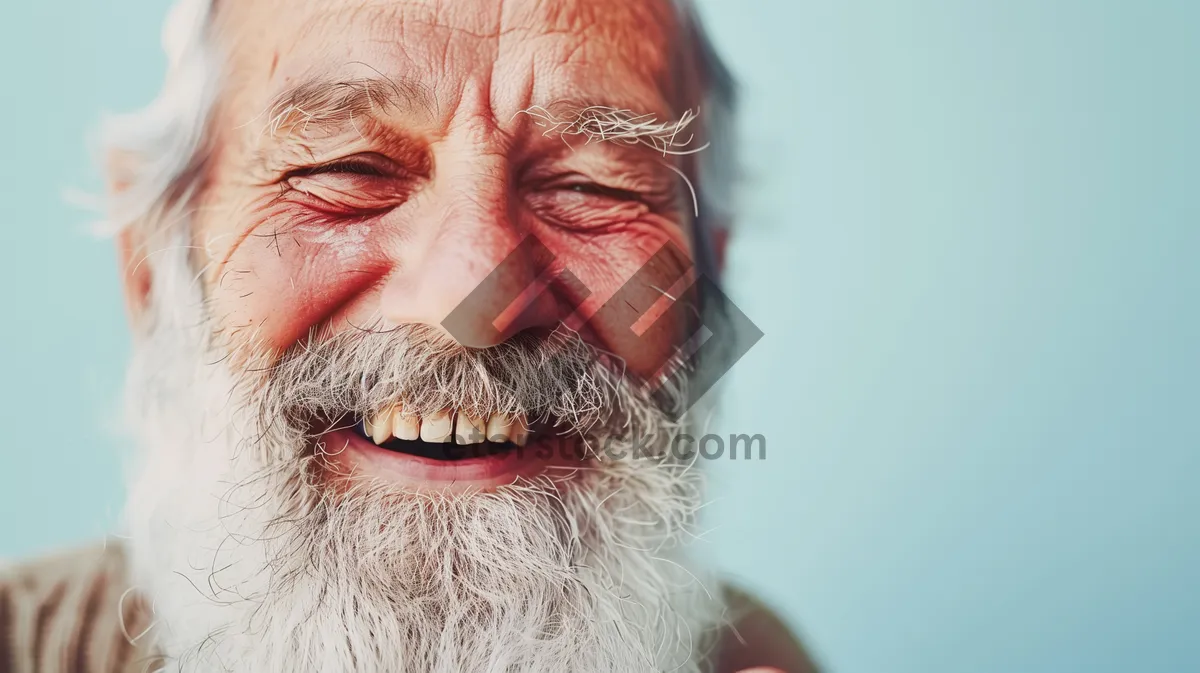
pixel 73 613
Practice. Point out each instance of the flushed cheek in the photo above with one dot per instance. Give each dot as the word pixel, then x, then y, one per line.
pixel 631 276
pixel 281 281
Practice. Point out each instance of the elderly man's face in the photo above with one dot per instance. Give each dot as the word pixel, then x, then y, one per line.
pixel 375 167
pixel 377 160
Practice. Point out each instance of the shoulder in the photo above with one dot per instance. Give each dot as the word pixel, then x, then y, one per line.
pixel 68 612
pixel 757 637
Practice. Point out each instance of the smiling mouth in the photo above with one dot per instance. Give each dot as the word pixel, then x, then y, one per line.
pixel 445 436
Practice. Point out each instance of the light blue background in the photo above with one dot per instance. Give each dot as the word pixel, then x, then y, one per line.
pixel 971 238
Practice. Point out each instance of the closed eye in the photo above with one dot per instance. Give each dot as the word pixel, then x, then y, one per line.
pixel 366 165
pixel 354 185
pixel 593 189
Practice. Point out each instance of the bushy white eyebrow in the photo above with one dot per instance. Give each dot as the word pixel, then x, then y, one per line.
pixel 610 124
pixel 331 102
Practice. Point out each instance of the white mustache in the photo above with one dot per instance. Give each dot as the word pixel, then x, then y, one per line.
pixel 556 378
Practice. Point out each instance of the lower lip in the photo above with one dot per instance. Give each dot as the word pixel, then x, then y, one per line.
pixel 357 457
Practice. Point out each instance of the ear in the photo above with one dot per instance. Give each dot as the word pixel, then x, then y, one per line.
pixel 135 274
pixel 131 244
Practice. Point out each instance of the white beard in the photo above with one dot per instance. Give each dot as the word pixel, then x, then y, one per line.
pixel 251 568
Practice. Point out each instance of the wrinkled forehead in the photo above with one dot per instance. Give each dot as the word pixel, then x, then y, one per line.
pixel 516 53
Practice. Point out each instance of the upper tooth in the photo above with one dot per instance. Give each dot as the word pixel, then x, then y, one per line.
pixel 437 427
pixel 445 426
pixel 520 431
pixel 405 426
pixel 468 430
pixel 381 427
pixel 498 427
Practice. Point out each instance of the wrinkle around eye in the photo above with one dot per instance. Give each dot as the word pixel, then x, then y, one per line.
pixel 345 193
pixel 582 210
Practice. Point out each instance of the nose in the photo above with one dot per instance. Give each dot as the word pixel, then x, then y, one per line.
pixel 468 269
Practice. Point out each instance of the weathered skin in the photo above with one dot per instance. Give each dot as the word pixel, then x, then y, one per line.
pixel 468 175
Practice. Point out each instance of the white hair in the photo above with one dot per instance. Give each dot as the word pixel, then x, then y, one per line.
pixel 157 149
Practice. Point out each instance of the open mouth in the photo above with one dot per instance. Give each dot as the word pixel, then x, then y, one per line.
pixel 446 435
pixel 447 449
